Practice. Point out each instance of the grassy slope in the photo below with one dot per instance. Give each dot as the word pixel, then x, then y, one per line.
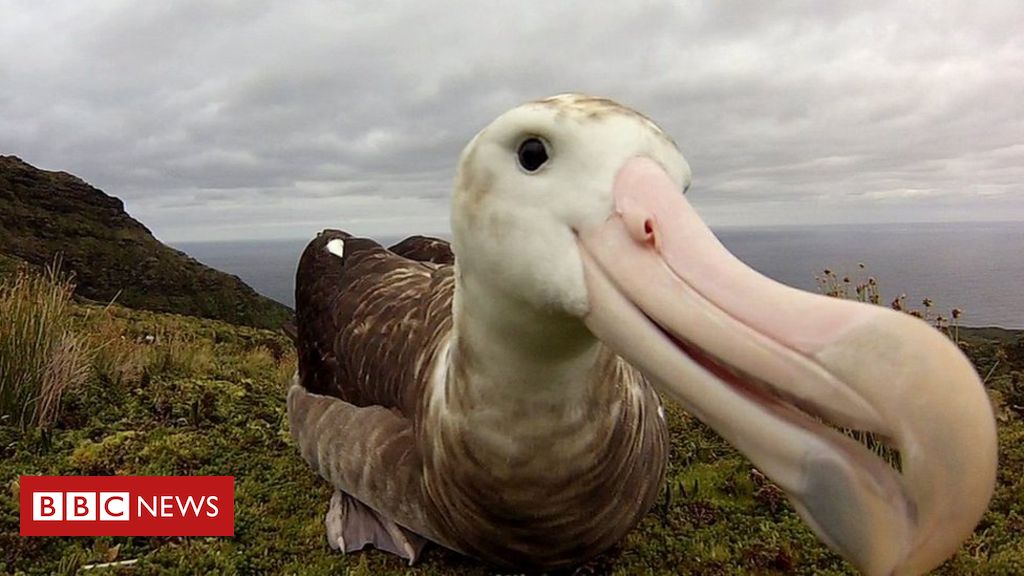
pixel 208 398
pixel 113 256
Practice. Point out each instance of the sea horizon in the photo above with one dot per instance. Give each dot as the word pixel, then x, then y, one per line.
pixel 976 266
pixel 445 234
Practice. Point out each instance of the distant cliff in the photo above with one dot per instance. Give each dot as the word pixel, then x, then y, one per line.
pixel 43 214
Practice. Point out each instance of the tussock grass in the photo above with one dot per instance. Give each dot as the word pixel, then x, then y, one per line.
pixel 41 357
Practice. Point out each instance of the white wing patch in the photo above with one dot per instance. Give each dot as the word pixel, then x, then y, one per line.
pixel 336 247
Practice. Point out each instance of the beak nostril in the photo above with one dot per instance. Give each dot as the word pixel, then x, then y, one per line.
pixel 650 238
pixel 639 222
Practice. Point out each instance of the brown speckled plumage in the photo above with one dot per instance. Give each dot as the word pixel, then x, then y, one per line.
pixel 587 108
pixel 372 327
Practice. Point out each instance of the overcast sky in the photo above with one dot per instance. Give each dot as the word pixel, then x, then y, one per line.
pixel 253 119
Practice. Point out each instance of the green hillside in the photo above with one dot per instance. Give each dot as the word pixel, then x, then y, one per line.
pixel 47 214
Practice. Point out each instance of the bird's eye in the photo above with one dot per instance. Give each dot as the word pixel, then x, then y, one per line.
pixel 532 154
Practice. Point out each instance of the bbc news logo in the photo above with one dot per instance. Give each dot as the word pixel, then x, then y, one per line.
pixel 127 505
pixel 81 506
pixel 116 506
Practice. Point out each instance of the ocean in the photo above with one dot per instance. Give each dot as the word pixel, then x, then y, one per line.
pixel 977 267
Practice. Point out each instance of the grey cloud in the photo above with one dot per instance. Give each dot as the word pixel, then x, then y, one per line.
pixel 221 119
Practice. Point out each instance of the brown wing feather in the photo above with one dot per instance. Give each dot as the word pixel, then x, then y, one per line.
pixel 369 322
pixel 425 249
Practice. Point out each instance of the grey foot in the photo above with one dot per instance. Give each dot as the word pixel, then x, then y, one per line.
pixel 352 525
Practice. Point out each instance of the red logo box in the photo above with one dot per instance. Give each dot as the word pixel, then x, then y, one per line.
pixel 127 505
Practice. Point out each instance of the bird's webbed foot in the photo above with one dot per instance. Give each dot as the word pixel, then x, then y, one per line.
pixel 352 525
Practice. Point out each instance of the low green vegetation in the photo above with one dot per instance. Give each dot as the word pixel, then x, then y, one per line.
pixel 168 394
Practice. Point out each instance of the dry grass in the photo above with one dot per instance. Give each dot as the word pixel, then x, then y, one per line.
pixel 286 368
pixel 863 287
pixel 256 361
pixel 131 354
pixel 178 354
pixel 118 360
pixel 41 357
pixel 261 360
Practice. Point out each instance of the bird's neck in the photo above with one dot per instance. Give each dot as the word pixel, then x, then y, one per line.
pixel 516 380
pixel 507 351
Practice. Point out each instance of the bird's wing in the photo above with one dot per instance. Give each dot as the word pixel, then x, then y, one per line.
pixel 369 323
pixel 370 320
pixel 425 249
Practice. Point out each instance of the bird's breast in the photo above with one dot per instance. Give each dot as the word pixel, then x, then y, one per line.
pixel 542 486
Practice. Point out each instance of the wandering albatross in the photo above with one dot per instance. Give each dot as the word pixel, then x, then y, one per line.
pixel 499 397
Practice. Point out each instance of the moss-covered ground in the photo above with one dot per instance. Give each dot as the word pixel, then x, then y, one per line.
pixel 178 395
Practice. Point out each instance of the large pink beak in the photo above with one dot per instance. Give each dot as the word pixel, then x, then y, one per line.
pixel 764 364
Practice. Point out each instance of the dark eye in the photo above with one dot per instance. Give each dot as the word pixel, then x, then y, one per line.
pixel 532 154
